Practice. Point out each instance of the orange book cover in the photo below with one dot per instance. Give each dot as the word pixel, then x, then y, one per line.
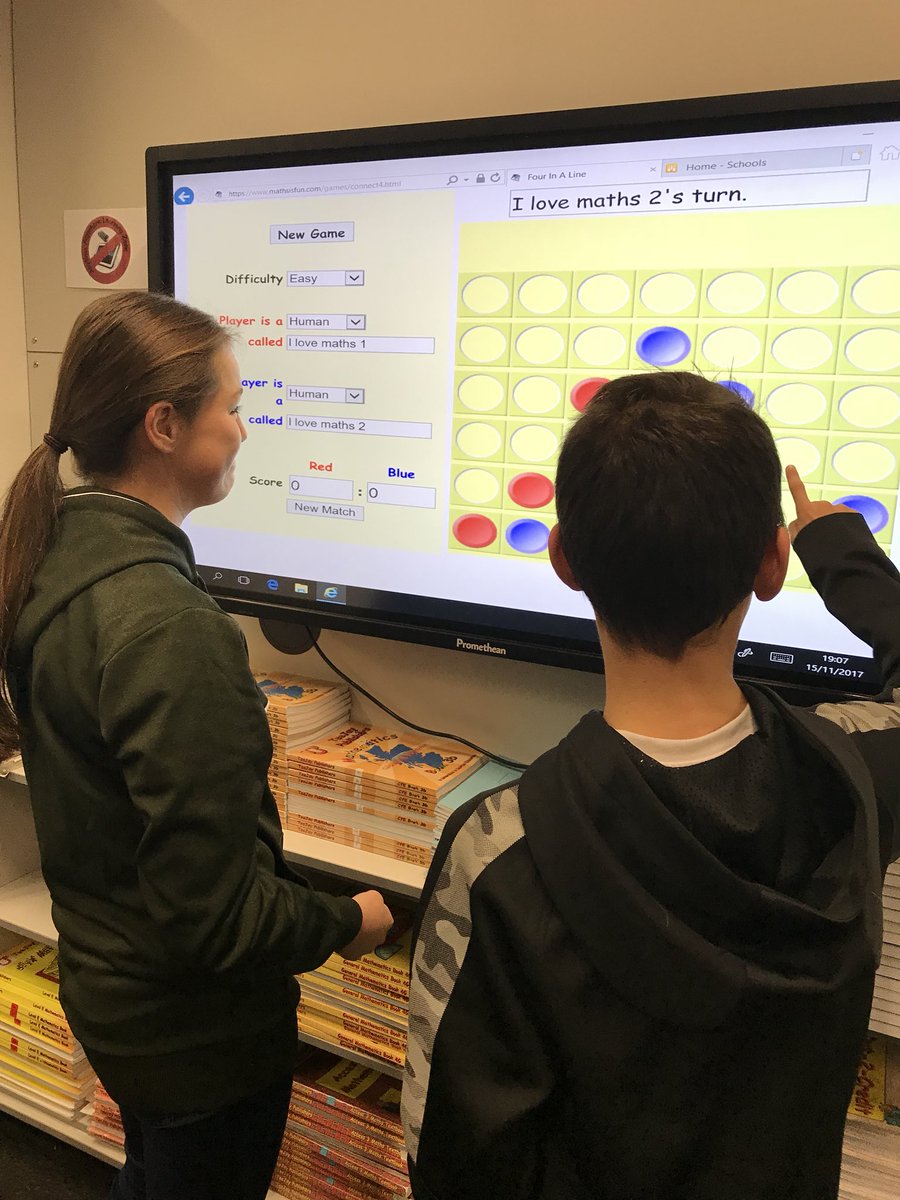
pixel 365 752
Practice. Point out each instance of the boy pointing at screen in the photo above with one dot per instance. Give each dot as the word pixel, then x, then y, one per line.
pixel 646 970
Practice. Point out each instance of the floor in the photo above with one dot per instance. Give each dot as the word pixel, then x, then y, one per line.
pixel 35 1166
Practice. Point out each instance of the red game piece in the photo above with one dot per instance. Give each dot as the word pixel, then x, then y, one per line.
pixel 531 489
pixel 584 392
pixel 474 530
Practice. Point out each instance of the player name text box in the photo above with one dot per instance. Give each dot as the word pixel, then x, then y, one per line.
pixel 406 495
pixel 361 345
pixel 330 395
pixel 314 278
pixel 332 424
pixel 321 486
pixel 326 321
pixel 322 508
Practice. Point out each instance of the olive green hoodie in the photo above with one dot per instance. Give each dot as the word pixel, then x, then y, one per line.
pixel 146 749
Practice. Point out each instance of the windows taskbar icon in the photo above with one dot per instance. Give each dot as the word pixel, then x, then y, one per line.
pixel 331 593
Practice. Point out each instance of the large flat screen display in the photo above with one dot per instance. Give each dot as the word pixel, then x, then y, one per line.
pixel 422 312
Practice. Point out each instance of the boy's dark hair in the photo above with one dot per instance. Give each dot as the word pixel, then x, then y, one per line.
pixel 668 491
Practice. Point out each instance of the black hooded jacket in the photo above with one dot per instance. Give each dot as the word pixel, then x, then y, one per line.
pixel 635 981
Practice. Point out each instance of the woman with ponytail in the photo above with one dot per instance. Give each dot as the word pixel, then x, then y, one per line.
pixel 146 748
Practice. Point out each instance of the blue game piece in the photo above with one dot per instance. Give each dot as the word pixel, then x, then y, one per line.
pixel 739 389
pixel 873 512
pixel 663 346
pixel 528 536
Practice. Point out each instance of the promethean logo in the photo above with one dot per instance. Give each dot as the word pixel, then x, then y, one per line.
pixel 481 647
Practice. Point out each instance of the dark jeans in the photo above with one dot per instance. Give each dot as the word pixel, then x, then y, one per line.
pixel 225 1155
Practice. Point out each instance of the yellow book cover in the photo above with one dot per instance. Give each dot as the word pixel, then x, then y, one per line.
pixel 868 1091
pixel 396 991
pixel 353 1022
pixel 31 967
pixel 23 1088
pixel 338 993
pixel 13 1066
pixel 340 1040
pixel 390 960
pixel 39 1017
pixel 42 1056
pixel 355 1006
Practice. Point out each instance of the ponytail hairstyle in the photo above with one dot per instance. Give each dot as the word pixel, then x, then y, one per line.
pixel 126 352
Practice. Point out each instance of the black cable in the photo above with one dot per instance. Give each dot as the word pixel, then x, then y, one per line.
pixel 498 758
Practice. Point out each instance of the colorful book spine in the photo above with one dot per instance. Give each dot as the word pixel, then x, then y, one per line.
pixel 340 1040
pixel 869 1090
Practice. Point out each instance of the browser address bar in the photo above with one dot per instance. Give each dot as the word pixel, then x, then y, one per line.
pixel 409 183
pixel 278 190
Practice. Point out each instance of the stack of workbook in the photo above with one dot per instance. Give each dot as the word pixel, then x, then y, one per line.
pixel 870 1169
pixel 870 1098
pixel 343 1138
pixel 362 1005
pixel 885 1016
pixel 375 789
pixel 106 1120
pixel 40 1060
pixel 299 712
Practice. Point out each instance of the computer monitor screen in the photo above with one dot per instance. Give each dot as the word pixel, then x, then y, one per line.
pixel 422 312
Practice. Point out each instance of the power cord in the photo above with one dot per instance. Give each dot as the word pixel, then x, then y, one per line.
pixel 498 758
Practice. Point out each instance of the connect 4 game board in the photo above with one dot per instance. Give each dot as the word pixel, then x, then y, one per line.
pixel 815 350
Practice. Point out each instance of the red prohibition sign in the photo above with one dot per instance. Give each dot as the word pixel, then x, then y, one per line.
pixel 105 249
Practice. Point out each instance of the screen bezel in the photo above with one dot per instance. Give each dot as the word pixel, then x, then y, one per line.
pixel 707 116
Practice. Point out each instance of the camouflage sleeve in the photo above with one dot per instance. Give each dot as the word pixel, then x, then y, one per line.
pixel 478 1072
pixel 443 935
pixel 864 716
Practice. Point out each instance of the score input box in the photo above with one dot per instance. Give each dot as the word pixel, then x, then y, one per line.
pixel 405 495
pixel 321 487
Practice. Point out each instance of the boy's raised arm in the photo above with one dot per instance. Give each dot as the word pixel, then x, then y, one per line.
pixel 855 578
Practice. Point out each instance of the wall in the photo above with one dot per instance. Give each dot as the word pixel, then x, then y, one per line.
pixel 97 82
pixel 14 390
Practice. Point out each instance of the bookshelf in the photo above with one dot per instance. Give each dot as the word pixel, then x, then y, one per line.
pixel 25 911
pixel 373 870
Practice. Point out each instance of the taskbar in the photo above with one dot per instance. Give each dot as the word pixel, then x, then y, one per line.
pixel 262 584
pixel 817 667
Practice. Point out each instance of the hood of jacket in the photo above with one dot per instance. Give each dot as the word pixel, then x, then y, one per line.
pixel 100 534
pixel 680 932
